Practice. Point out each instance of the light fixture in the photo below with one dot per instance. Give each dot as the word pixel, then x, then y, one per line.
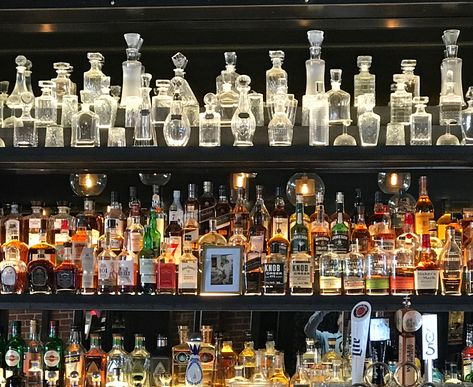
pixel 305 184
pixel 240 180
pixel 88 184
pixel 155 178
pixel 392 182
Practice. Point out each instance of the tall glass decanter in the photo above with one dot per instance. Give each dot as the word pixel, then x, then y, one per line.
pixel 243 121
pixel 364 81
pixel 45 106
pixel 230 67
pixel 144 134
pixel 400 102
pixel 131 68
pixel 280 128
pixel 449 112
pixel 467 119
pixel 274 74
pixel 421 123
pixel 14 99
pixel 319 117
pixel 452 63
pixel 93 77
pixel 411 80
pixel 25 131
pixel 209 122
pixel 84 125
pixel 177 128
pixel 227 98
pixel 106 106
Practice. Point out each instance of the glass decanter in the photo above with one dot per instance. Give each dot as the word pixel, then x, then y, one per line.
pixel 411 80
pixel 209 122
pixel 189 101
pixel 69 72
pixel 161 102
pixel 338 100
pixel 144 134
pixel 395 134
pixel 400 102
pixel 466 118
pixel 274 74
pixel 131 68
pixel 243 121
pixel 45 107
pixel 230 67
pixel 106 106
pixel 364 82
pixel 319 117
pixel 14 99
pixel 452 63
pixel 177 128
pixel 450 112
pixel 280 128
pixel 93 77
pixel 421 123
pixel 84 125
pixel 227 98
pixel 25 132
pixel 315 72
pixel 28 72
pixel 3 99
pixel 62 83
pixel 369 121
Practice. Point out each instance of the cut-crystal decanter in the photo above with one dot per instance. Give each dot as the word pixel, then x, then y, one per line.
pixel 274 74
pixel 227 99
pixel 62 83
pixel 280 128
pixel 14 99
pixel 93 77
pixel 25 132
pixel 369 121
pixel 411 80
pixel 400 102
pixel 243 122
pixel 421 123
pixel 106 106
pixel 161 102
pixel 319 117
pixel 364 81
pixel 45 107
pixel 230 67
pixel 131 68
pixel 177 128
pixel 339 100
pixel 209 122
pixel 84 125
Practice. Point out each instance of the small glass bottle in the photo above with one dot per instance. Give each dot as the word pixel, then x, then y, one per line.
pixel 209 123
pixel 243 121
pixel 411 80
pixel 25 130
pixel 177 128
pixel 229 358
pixel 247 357
pixel 45 106
pixel 377 271
pixel 12 271
pixel 368 122
pixel 240 215
pixel 451 62
pixel 280 128
pixel 319 117
pixel 451 265
pixel 144 133
pixel 140 363
pixel 331 270
pixel 360 233
pixel 400 102
pixel 301 274
pixel 364 82
pixel 315 66
pixel 230 68
pixel 131 68
pixel 340 231
pixel 106 269
pixel 105 106
pixel 188 272
pixel 67 273
pixel 354 271
pixel 274 74
pixel 84 125
pixel 421 123
pixel 95 360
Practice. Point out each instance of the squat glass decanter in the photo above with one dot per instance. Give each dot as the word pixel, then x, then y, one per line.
pixel 243 121
pixel 177 128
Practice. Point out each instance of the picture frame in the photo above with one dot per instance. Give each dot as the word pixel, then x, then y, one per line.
pixel 221 270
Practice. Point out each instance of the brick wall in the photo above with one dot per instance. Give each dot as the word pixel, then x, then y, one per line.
pixel 64 318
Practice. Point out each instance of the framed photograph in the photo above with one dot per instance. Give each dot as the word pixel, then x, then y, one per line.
pixel 221 273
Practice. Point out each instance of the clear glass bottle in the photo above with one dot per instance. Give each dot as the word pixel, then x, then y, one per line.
pixel 93 77
pixel 331 270
pixel 227 97
pixel 84 125
pixel 247 357
pixel 161 102
pixel 177 127
pixel 188 272
pixel 118 358
pixel 319 117
pixel 402 270
pixel 300 377
pixel 364 82
pixel 131 68
pixel 395 134
pixel 411 80
pixel 230 68
pixel 25 130
pixel 400 102
pixel 279 376
pixel 106 268
pixel 259 375
pixel 105 106
pixel 62 84
pixel 140 363
pixel 452 63
pixel 274 74
pixel 451 265
pixel 209 122
pixel 424 209
pixel 421 123
pixel 450 112
pixel 144 133
pixel 299 232
pixel 126 267
pixel 338 100
pixel 301 274
pixel 354 271
pixel 451 374
pixel 14 99
pixel 191 216
pixel 180 357
pixel 280 128
pixel 74 354
pixel 377 271
pixel 45 107
pixel 243 121
pixel 369 121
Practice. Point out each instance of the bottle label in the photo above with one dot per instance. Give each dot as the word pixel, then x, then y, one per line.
pixel 191 235
pixel 126 273
pixel 187 276
pixel 39 276
pixel 175 246
pixel 115 243
pixel 51 358
pixel 426 279
pixel 278 248
pixel 353 283
pixel 381 283
pixel 300 275
pixel 257 243
pixel 167 275
pixel 253 262
pixel 330 283
pixel 12 358
pixel 58 223
pixel 402 283
pixel 34 224
pixel 8 276
pixel 223 220
pixel 340 243
pixel 206 213
pixel 105 269
pixel 181 357
pixel 72 358
pixel 41 255
pixel 12 229
pixel 320 245
pixel 33 239
pixel 65 279
pixel 299 243
pixel 136 241
pixel 422 220
pixel 147 271
pixel 77 248
pixel 273 274
pixel 88 269
pixel 93 236
pixel 61 237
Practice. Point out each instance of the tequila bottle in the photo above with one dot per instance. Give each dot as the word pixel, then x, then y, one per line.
pixel 450 111
pixel 95 361
pixel 144 133
pixel 62 84
pixel 451 265
pixel 33 363
pixel 209 122
pixel 338 100
pixel 132 69
pixel 118 358
pixel 105 106
pixel 247 357
pixel 280 128
pixel 230 69
pixel 368 122
pixel 300 377
pixel 411 80
pixel 466 119
pixel 274 74
pixel 189 101
pixel 400 102
pixel 452 63
pixel 421 123
pixel 180 357
pixel 243 121
pixel 177 126
pixel 45 107
pixel 93 77
pixel 364 82
pixel 74 360
pixel 25 130
pixel 118 379
pixel 331 269
pixel 84 125
pixel 227 97
pixel 319 117
pixel 140 363
pixel 161 102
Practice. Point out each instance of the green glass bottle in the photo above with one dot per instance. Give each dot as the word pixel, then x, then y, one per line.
pixel 53 357
pixel 340 231
pixel 147 261
pixel 155 234
pixel 299 232
pixel 14 351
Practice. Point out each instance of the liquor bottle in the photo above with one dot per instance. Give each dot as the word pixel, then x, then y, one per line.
pixel 377 271
pixel 331 269
pixel 402 270
pixel 247 357
pixel 259 376
pixel 354 271
pixel 378 213
pixel 421 123
pixel 319 231
pixel 240 215
pixel 175 210
pixel 93 77
pixel 468 260
pixel 212 238
pixel 451 265
pixel 275 272
pixel 118 358
pixel 300 377
pixel 159 214
pixel 279 375
pixel 95 360
pixel 207 354
pixel 259 205
pixel 230 68
pixel 426 275
pixel 134 232
pixel 400 102
pixel 279 218
pixel 53 356
pixel 299 232
pixel 206 208
pixel 89 273
pixel 40 269
pixel 229 358
pixel 173 234
pixel 115 223
pixel 338 100
pixel 14 350
pixel 74 360
pixel 147 265
pixel 161 359
pixel 408 236
pixel 280 127
pixel 13 271
pixel 340 231
pixel 274 74
pixel 12 225
pixel 238 378
pixel 62 225
pixel 92 221
pixel 188 272
pixel 33 363
pixel 218 376
pixel 106 269
pixel 384 231
pixel 79 241
pixel 117 379
pixel 311 357
pixel 155 235
pixel 209 122
pixel 451 373
pixel 126 266
pixel 166 270
pixel 42 249
pixel 238 239
pixel 467 355
pixel 424 211
pixel 180 357
pixel 140 363
pixel 256 255
pixel 191 218
pixel 223 212
pixel 360 232
pixel 364 82
pixel 278 244
pixel 243 122
pixel 301 274
pixel 84 124
pixel 67 273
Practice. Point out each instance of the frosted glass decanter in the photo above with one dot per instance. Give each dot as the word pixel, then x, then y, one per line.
pixel 421 123
pixel 84 125
pixel 209 122
pixel 230 67
pixel 274 74
pixel 280 128
pixel 339 100
pixel 319 117
pixel 45 107
pixel 93 77
pixel 364 81
pixel 131 68
pixel 177 128
pixel 369 121
pixel 25 131
pixel 243 122
pixel 161 102
pixel 227 99
pixel 452 63
pixel 400 102
pixel 449 112
pixel 106 106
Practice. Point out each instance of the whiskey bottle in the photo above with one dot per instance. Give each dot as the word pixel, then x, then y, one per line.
pixel 74 360
pixel 118 358
pixel 279 376
pixel 188 272
pixel 191 218
pixel 247 357
pixel 256 255
pixel 229 359
pixel 173 235
pixel 115 223
pixel 378 212
pixel 467 355
pixel 140 363
pixel 223 212
pixel 95 360
pixel 260 206
pixel 360 232
pixel 62 238
pixel 127 268
pixel 218 375
pixel 180 357
pixel 451 265
pixel 13 272
pixel 354 271
pixel 134 232
pixel 426 275
pixel 147 265
pixel 53 356
pixel 279 218
pixel 67 274
pixel 61 225
pixel 301 274
pixel 106 269
pixel 207 354
pixel 42 249
pixel 377 271
pixel 12 225
pixel 275 273
pixel 34 223
pixel 240 215
pixel 402 270
pixel 14 350
pixel 91 221
pixel 319 232
pixel 340 230
pixel 80 240
pixel 299 232
pixel 161 361
pixel 207 205
pixel 279 244
pixel 468 259
pixel 331 269
pixel 424 210
pixel 166 270
pixel 40 269
pixel 311 357
pixel 33 363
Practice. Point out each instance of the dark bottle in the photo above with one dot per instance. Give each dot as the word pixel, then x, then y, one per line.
pixel 356 205
pixel 14 350
pixel 256 255
pixel 207 205
pixel 340 230
pixel 173 234
pixel 16 380
pixel 147 265
pixel 40 269
pixel 299 232
pixel 223 211
pixel 53 357
pixel 67 274
pixel 240 215
pixel 91 221
pixel 279 217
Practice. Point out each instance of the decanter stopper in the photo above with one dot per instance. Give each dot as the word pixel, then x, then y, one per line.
pixel 450 37
pixel 364 62
pixel 28 65
pixel 399 81
pixel 133 40
pixel 21 60
pixel 336 76
pixel 408 65
pixel 116 91
pixel 243 82
pixel 146 79
pixel 276 56
pixel 27 99
pixel 179 60
pixel 210 100
pixel 61 65
pixel 315 37
pixel 230 58
pixel 95 56
pixel 366 102
pixel 420 101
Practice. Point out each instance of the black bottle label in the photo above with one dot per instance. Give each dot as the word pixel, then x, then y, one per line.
pixel 64 280
pixel 39 276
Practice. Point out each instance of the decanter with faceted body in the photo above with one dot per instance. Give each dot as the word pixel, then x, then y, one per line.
pixel 395 134
pixel 93 77
pixel 243 121
pixel 411 80
pixel 364 82
pixel 209 122
pixel 466 119
pixel 319 117
pixel 421 123
pixel 62 83
pixel 106 106
pixel 339 100
pixel 14 99
pixel 45 107
pixel 131 68
pixel 452 63
pixel 84 125
pixel 280 128
pixel 25 132
pixel 230 68
pixel 450 112
pixel 161 102
pixel 401 102
pixel 274 74
pixel 177 128
pixel 144 134
pixel 189 101
pixel 227 98
pixel 369 121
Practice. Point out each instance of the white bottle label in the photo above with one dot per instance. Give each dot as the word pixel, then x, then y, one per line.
pixel 136 241
pixel 426 279
pixel 257 243
pixel 34 223
pixel 187 276
pixel 12 229
pixel 126 275
pixel 148 271
pixel 105 270
pixel 8 276
pixel 51 358
pixel 12 358
pixel 300 275
pixel 330 283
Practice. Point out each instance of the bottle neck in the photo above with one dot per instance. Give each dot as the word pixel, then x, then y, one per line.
pixel 52 332
pixel 139 342
pixel 423 186
pixel 94 342
pixel 320 214
pixel 299 213
pixel 340 211
pixel 74 337
pixel 117 342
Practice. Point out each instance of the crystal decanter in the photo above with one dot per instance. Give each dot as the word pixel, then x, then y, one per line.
pixel 452 63
pixel 189 101
pixel 144 134
pixel 69 72
pixel 338 100
pixel 400 102
pixel 450 112
pixel 45 106
pixel 62 83
pixel 227 99
pixel 93 77
pixel 274 74
pixel 84 125
pixel 466 119
pixel 421 123
pixel 28 72
pixel 243 121
pixel 209 122
pixel 369 121
pixel 395 134
pixel 177 128
pixel 280 128
pixel 25 132
pixel 230 67
pixel 131 68
pixel 161 102
pixel 411 80
pixel 14 99
pixel 3 99
pixel 106 106
pixel 319 117
pixel 364 81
